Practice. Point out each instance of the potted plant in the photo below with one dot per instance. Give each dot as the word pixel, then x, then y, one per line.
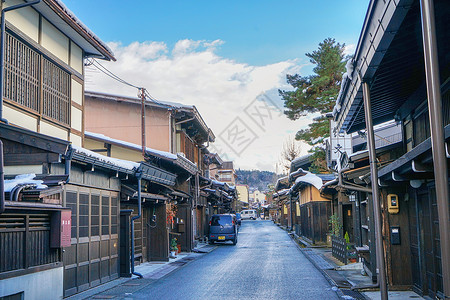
pixel 173 247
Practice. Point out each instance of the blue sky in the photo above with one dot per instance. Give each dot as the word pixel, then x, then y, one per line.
pixel 254 32
pixel 227 58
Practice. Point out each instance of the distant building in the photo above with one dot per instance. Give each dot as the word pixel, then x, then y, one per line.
pixel 226 173
pixel 243 196
pixel 258 197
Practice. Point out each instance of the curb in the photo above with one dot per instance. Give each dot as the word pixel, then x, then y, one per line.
pixel 164 271
pixel 334 287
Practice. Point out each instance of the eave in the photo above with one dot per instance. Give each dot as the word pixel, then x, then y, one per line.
pixel 389 57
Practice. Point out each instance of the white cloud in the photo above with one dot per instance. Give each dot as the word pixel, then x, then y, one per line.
pixel 192 73
pixel 349 49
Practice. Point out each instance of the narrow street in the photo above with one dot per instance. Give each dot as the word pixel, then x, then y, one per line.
pixel 265 264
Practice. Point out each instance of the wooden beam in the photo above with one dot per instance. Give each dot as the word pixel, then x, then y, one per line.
pixel 31 158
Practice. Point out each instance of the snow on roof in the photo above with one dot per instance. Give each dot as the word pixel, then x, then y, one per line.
pixel 347 76
pixel 129 165
pixel 130 145
pixel 23 179
pixel 281 192
pixel 311 179
pixel 281 179
pixel 301 158
pixel 162 153
pixel 358 153
pixel 165 104
pixel 299 171
pixel 218 182
pixel 83 26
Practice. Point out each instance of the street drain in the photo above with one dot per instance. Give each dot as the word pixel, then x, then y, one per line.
pixel 178 263
pixel 188 258
pixel 354 294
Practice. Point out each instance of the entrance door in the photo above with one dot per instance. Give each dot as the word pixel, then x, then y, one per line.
pixel 425 249
pixel 347 217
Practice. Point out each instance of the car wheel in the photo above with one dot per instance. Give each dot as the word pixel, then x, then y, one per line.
pixel 235 241
pixel 211 242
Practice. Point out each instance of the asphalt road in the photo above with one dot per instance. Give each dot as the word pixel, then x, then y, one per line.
pixel 265 264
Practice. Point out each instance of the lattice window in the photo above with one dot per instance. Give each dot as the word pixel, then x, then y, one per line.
pixel 22 73
pixel 71 202
pixel 114 215
pixel 83 218
pixel 95 215
pixel 55 86
pixel 27 73
pixel 105 215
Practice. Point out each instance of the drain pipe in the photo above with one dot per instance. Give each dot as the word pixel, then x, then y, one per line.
pixel 2 181
pixel 68 162
pixel 139 178
pixel 2 51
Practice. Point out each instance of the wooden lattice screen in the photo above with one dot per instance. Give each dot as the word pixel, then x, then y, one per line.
pixel 55 85
pixel 24 81
pixel 22 73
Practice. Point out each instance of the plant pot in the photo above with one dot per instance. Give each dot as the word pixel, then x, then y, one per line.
pixel 173 253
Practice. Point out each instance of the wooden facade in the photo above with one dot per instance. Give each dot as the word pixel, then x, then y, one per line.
pixel 415 255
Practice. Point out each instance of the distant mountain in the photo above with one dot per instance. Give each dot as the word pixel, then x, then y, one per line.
pixel 256 179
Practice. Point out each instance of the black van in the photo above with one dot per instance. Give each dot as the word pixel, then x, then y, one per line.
pixel 223 228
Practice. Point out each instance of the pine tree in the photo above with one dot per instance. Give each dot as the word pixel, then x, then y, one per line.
pixel 316 93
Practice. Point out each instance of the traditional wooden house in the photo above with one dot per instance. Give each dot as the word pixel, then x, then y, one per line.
pixel 41 96
pixel 281 197
pixel 151 229
pixel 349 191
pixel 31 246
pixel 173 137
pixel 400 72
pixel 312 210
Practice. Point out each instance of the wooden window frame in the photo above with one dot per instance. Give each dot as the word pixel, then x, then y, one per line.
pixel 65 74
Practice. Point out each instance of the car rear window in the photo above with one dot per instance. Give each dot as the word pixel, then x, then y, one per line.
pixel 220 220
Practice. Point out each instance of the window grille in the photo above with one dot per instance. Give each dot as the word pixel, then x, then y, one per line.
pixel 83 217
pixel 22 73
pixel 95 219
pixel 114 217
pixel 71 202
pixel 27 73
pixel 55 85
pixel 105 215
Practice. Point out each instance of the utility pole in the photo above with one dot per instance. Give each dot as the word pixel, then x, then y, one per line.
pixel 142 95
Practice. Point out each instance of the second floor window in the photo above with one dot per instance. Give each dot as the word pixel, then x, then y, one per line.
pixel 28 75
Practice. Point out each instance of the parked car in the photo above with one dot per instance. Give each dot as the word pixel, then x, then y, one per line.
pixel 248 214
pixel 223 228
pixel 238 219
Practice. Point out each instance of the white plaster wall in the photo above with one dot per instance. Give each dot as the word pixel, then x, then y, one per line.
pixel 41 285
pixel 18 118
pixel 77 92
pixel 54 41
pixel 76 57
pixel 76 118
pixel 25 19
pixel 26 169
pixel 52 130
pixel 76 140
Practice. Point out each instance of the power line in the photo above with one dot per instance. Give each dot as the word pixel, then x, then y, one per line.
pixel 93 62
pixel 107 72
